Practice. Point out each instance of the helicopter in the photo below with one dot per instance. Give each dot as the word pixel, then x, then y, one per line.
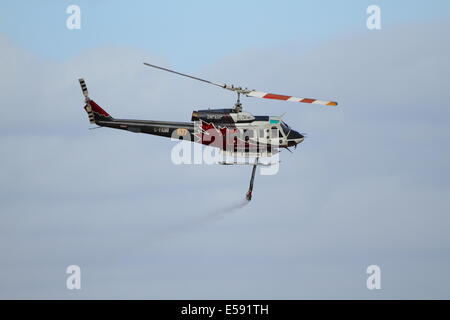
pixel 234 132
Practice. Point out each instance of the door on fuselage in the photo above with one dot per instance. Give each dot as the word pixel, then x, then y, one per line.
pixel 275 135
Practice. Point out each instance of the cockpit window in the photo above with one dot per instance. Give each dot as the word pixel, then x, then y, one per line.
pixel 285 127
pixel 277 132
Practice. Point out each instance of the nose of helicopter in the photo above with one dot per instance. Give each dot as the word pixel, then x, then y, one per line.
pixel 294 138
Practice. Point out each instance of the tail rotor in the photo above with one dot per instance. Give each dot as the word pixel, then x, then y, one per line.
pixel 88 106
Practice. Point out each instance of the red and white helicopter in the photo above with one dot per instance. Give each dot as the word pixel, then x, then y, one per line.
pixel 235 132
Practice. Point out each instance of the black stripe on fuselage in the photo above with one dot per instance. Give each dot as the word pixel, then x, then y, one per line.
pixel 158 128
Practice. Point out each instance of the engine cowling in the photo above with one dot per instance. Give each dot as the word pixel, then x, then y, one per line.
pixel 221 116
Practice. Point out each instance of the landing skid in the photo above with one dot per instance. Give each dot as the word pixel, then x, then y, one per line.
pixel 224 163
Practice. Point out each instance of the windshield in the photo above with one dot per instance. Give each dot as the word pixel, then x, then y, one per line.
pixel 285 127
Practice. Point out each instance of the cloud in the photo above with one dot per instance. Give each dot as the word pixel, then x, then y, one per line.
pixel 368 186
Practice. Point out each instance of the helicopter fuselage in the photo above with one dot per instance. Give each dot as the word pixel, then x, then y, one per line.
pixel 222 128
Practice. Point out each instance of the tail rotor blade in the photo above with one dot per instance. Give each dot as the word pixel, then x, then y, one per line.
pixel 84 87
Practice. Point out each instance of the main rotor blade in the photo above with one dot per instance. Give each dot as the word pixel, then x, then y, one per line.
pixel 266 95
pixel 185 75
pixel 250 93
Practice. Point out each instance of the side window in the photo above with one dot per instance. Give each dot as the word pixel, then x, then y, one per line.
pixel 262 133
pixel 274 132
pixel 249 133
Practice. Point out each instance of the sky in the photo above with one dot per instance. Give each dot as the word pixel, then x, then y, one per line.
pixel 369 186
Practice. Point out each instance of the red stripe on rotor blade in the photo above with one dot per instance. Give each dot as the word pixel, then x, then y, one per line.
pixel 276 96
pixel 306 100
